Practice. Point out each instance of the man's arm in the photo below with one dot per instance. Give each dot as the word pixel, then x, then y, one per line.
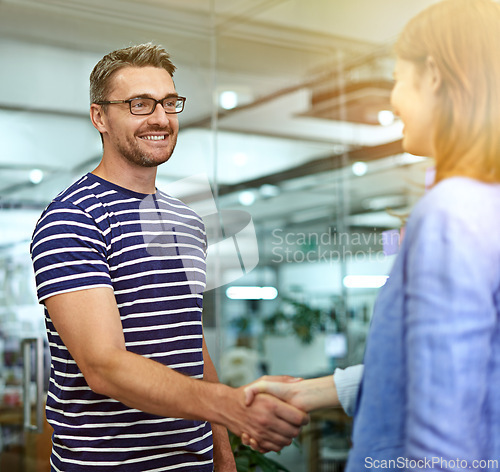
pixel 223 455
pixel 89 324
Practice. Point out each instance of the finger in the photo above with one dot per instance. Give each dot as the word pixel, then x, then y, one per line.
pixel 277 389
pixel 269 384
pixel 293 379
pixel 281 378
pixel 253 389
pixel 275 422
pixel 251 442
pixel 282 433
pixel 276 444
pixel 255 446
pixel 273 434
pixel 246 439
pixel 249 395
pixel 276 431
pixel 290 414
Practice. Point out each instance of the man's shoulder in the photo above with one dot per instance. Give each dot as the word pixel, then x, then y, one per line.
pixel 91 196
pixel 78 193
pixel 178 206
pixel 72 205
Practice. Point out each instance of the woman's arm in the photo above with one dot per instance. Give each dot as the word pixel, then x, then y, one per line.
pixel 339 390
pixel 450 320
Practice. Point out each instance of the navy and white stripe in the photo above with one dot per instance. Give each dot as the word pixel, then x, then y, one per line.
pixel 150 249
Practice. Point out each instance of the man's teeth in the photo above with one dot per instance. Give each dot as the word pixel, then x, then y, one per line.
pixel 154 138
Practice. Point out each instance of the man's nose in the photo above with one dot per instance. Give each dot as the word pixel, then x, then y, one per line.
pixel 159 115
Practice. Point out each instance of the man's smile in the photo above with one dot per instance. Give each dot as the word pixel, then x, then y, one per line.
pixel 154 137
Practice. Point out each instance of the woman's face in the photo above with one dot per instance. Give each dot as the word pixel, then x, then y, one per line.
pixel 413 99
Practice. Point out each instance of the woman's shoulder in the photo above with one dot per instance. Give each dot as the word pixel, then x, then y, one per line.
pixel 460 197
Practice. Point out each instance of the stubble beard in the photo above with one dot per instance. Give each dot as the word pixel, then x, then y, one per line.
pixel 132 152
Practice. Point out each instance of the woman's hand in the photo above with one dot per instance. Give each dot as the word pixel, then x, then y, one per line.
pixel 306 395
pixel 280 386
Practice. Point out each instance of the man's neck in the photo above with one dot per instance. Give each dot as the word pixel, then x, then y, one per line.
pixel 135 178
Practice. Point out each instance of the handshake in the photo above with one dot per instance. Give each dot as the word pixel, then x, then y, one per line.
pixel 278 406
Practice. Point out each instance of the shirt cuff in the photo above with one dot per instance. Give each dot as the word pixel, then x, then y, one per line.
pixel 347 383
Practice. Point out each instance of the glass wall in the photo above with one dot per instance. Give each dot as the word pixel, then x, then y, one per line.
pixel 288 150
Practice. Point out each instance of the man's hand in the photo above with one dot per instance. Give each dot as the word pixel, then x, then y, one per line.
pixel 280 387
pixel 271 422
pixel 306 395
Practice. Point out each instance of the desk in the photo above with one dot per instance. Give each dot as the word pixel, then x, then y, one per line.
pixel 10 415
pixel 32 454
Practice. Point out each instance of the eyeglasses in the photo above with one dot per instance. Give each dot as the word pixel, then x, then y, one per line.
pixel 147 106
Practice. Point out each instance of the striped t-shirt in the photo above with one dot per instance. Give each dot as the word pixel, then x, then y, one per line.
pixel 151 250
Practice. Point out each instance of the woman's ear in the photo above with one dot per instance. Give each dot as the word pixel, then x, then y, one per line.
pixel 98 118
pixel 433 73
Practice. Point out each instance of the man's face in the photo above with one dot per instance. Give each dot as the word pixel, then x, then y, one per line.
pixel 143 140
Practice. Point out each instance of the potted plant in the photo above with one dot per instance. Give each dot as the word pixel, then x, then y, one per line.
pixel 248 460
pixel 301 319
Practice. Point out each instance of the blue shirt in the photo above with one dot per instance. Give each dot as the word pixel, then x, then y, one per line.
pixel 430 395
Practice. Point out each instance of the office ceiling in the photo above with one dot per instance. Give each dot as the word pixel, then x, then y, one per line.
pixel 310 78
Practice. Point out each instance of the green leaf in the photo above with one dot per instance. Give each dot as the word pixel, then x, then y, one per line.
pixel 242 464
pixel 247 459
pixel 269 465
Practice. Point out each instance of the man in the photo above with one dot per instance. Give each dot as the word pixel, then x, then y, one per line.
pixel 120 268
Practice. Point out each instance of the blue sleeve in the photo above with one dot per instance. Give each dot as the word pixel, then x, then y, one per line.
pixel 450 320
pixel 347 382
pixel 68 251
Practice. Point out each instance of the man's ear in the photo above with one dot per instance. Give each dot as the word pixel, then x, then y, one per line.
pixel 98 118
pixel 434 73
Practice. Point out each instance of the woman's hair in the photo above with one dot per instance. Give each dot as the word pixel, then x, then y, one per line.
pixel 463 38
pixel 142 55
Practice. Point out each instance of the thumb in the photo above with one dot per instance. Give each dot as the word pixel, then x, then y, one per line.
pixel 253 389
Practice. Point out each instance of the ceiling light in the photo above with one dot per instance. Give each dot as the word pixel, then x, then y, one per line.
pixel 405 158
pixel 36 176
pixel 340 148
pixel 228 99
pixel 240 159
pixel 268 190
pixel 385 117
pixel 383 202
pixel 246 198
pixel 252 293
pixel 359 168
pixel 364 281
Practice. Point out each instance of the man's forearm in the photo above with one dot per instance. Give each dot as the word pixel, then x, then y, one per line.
pixel 149 386
pixel 223 455
pixel 89 324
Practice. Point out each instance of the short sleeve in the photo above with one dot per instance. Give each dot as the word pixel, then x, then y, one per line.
pixel 68 251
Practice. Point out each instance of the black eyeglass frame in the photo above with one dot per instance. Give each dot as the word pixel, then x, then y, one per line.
pixel 161 102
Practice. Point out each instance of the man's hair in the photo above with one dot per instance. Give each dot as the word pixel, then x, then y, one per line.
pixel 463 38
pixel 142 55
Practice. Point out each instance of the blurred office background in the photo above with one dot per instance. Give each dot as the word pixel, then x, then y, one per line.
pixel 287 142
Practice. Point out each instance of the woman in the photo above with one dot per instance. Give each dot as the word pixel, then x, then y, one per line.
pixel 429 397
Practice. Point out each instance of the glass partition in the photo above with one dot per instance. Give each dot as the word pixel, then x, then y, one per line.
pixel 288 149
